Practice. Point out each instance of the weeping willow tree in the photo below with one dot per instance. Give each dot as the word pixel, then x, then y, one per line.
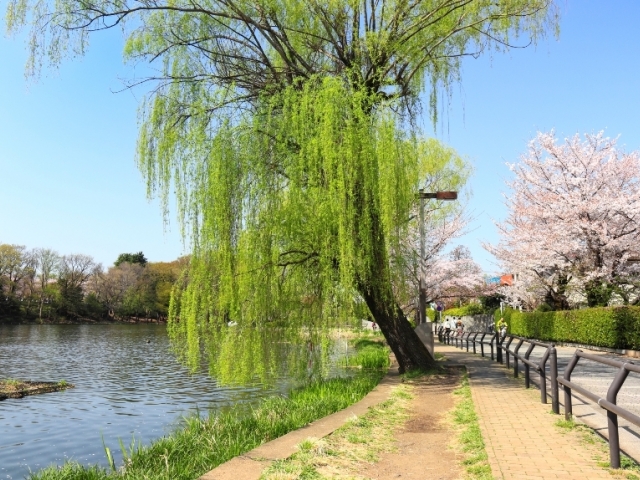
pixel 287 129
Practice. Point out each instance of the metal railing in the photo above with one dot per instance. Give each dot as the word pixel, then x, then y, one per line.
pixel 550 356
pixel 476 339
pixel 608 403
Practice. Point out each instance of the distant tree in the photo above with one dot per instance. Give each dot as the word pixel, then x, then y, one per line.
pixel 164 276
pixel 117 284
pixel 47 265
pixel 134 290
pixel 138 258
pixel 573 223
pixel 75 271
pixel 16 263
pixel 462 279
pixel 17 275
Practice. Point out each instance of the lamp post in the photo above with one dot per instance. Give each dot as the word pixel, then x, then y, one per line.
pixel 422 294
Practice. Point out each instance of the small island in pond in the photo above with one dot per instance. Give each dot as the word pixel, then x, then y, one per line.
pixel 12 388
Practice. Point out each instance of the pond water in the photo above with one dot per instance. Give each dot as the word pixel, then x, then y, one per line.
pixel 127 385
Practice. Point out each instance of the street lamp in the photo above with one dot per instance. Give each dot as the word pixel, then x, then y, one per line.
pixel 422 294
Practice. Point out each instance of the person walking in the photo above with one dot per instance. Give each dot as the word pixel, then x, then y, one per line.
pixel 447 326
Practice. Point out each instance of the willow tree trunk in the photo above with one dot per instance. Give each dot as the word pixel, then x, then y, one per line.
pixel 409 350
pixel 375 287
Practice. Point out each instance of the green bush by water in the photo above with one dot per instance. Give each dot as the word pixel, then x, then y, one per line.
pixel 612 327
pixel 370 354
pixel 204 443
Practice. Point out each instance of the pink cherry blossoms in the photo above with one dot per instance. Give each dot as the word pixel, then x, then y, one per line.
pixel 573 224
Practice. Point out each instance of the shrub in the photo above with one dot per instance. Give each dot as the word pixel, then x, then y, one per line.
pixel 470 309
pixel 612 327
pixel 370 355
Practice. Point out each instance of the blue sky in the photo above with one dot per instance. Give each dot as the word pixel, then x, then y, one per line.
pixel 68 180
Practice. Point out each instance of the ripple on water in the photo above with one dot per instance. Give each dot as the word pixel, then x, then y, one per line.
pixel 127 385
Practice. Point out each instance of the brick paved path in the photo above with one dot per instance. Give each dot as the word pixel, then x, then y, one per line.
pixel 521 439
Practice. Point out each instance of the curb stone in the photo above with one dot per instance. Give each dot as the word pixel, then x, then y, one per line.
pixel 250 465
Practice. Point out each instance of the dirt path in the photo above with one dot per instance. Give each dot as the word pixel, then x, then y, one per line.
pixel 423 443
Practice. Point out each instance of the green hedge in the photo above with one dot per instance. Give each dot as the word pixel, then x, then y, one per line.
pixel 471 309
pixel 612 327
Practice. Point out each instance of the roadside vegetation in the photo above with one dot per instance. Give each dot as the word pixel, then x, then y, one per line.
pixel 202 443
pixel 469 439
pixel 629 469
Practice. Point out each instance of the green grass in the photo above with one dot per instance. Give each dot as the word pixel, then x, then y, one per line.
pixel 202 443
pixel 470 438
pixel 353 446
pixel 370 354
pixel 629 468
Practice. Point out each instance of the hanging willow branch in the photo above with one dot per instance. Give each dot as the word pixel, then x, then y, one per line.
pixel 286 130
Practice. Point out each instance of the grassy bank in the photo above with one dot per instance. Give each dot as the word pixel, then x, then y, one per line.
pixel 370 353
pixel 204 443
pixel 359 442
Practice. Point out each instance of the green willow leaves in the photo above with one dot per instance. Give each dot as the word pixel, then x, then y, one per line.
pixel 287 130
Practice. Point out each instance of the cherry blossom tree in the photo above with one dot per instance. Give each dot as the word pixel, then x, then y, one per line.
pixel 447 272
pixel 573 223
pixel 461 278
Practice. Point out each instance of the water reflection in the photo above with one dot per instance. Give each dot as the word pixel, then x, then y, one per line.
pixel 128 385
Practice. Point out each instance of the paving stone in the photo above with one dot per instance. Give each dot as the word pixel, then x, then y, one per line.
pixel 519 433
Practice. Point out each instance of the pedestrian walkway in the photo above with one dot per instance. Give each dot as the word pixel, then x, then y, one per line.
pixel 521 439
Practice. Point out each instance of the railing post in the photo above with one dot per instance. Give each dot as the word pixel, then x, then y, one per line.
pixel 542 366
pixel 506 351
pixel 474 342
pixel 499 341
pixel 527 381
pixel 493 337
pixel 553 378
pixel 612 418
pixel 568 407
pixel 515 358
pixel 482 344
